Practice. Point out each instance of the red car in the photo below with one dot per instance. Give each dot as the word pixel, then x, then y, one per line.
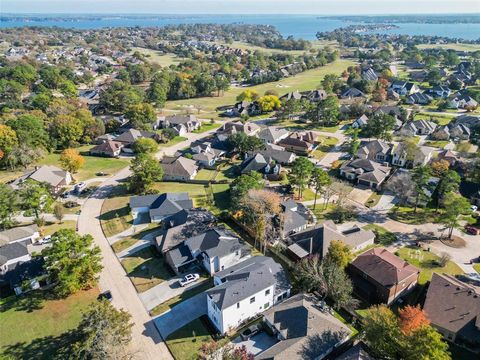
pixel 472 230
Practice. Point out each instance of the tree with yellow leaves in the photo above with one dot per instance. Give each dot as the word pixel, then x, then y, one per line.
pixel 71 160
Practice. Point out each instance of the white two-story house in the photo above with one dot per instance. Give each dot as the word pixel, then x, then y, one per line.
pixel 215 249
pixel 244 291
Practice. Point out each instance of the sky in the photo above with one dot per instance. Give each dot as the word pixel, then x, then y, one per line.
pixel 321 7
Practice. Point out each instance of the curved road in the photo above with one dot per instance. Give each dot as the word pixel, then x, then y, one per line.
pixel 146 340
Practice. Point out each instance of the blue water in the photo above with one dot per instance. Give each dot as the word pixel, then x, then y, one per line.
pixel 298 26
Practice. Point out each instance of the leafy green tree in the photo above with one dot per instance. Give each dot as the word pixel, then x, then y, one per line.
pixel 289 108
pixel 22 155
pixel 145 146
pixel 319 181
pixel 330 82
pixel 145 171
pixel 8 138
pixel 67 130
pixel 141 116
pixel 243 143
pixel 103 333
pixel 300 174
pixel 269 103
pixel 380 126
pixel 157 94
pixel 72 262
pixel 8 206
pixel 420 176
pixel 326 112
pixel 30 130
pixel 41 101
pixel 10 90
pixel 241 184
pixel 339 253
pixel 354 143
pixel 248 95
pixel 68 89
pixel 426 343
pixel 308 275
pixel 449 184
pixel 339 286
pixel 455 205
pixel 119 96
pixel 92 127
pixel 35 196
pixel 59 212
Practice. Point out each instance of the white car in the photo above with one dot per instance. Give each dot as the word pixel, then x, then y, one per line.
pixel 45 240
pixel 80 186
pixel 474 208
pixel 188 279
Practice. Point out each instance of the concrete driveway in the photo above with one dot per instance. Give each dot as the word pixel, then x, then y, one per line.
pixel 360 195
pixel 387 202
pixel 181 314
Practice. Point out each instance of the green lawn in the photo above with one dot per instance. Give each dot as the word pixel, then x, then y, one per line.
pixel 440 119
pixel 464 146
pixel 185 343
pixel 115 215
pixel 36 326
pixel 373 200
pixel 452 46
pixel 207 126
pixel 221 196
pixel 307 80
pixel 382 235
pixel 427 262
pixel 437 143
pixel 227 172
pixel 196 191
pixel 51 228
pixel 407 215
pixel 174 141
pixel 93 164
pixel 170 303
pixel 205 174
pixel 326 143
pixel 146 269
pixel 319 211
pixel 128 241
pixel 156 57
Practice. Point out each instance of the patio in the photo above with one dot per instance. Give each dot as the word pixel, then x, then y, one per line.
pixel 257 343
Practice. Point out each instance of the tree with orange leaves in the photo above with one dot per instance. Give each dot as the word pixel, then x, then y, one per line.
pixel 71 160
pixel 412 318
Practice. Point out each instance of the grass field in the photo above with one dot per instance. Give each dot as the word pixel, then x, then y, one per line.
pixel 115 215
pixel 128 241
pixel 51 228
pixel 437 143
pixel 196 191
pixel 326 143
pixel 174 141
pixel 427 262
pixel 382 235
pixel 453 46
pixel 93 164
pixel 35 326
pixel 207 126
pixel 307 80
pixel 440 119
pixel 185 343
pixel 156 57
pixel 317 44
pixel 146 268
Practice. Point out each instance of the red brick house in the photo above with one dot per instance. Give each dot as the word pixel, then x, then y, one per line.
pixel 379 276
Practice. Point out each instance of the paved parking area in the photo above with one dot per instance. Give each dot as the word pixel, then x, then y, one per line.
pixel 181 314
pixel 360 195
pixel 256 344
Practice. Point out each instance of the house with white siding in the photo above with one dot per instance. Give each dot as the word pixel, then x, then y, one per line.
pixel 244 291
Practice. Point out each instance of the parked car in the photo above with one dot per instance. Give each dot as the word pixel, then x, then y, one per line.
pixel 101 173
pixel 474 208
pixel 80 186
pixel 188 279
pixel 472 230
pixel 251 331
pixel 45 240
pixel 107 295
pixel 70 204
pixel 65 195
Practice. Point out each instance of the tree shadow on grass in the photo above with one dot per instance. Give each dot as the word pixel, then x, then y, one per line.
pixel 49 347
pixel 27 302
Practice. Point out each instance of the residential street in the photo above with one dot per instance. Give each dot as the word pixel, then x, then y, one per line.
pixel 146 341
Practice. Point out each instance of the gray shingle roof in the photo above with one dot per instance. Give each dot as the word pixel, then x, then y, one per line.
pixel 12 251
pixel 17 233
pixel 49 174
pixel 162 204
pixel 246 279
pixel 215 242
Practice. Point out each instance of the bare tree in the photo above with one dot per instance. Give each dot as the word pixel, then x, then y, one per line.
pixel 401 184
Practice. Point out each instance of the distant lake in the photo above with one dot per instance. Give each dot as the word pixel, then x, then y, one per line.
pixel 298 26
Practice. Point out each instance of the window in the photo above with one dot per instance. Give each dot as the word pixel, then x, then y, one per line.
pixel 238 305
pixel 252 300
pixel 266 305
pixel 267 292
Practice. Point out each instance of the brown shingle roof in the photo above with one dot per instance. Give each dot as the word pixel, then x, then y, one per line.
pixel 453 305
pixel 384 267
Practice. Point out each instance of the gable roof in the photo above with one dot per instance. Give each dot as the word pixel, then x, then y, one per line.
pixel 132 135
pixel 246 279
pixel 17 233
pixel 108 146
pixel 384 267
pixel 180 166
pixel 162 204
pixel 49 174
pixel 454 305
pixel 272 134
pixel 215 243
pixel 299 322
pixel 12 251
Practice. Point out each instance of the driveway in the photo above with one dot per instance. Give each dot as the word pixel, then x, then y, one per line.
pixel 387 202
pixel 360 195
pixel 181 314
pixel 164 291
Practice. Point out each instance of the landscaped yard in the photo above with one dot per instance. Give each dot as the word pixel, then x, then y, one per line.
pixel 464 146
pixel 320 212
pixel 227 172
pixel 146 268
pixel 51 228
pixel 186 342
pixel 382 235
pixel 373 200
pixel 205 174
pixel 156 57
pixel 207 126
pixel 93 164
pixel 307 80
pixel 427 263
pixel 196 191
pixel 128 241
pixel 437 143
pixel 36 326
pixel 170 303
pixel 407 215
pixel 440 119
pixel 174 141
pixel 115 215
pixel 326 143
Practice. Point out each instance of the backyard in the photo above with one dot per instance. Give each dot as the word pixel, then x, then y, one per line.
pixel 146 268
pixel 45 324
pixel 427 262
pixel 326 143
pixel 382 236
